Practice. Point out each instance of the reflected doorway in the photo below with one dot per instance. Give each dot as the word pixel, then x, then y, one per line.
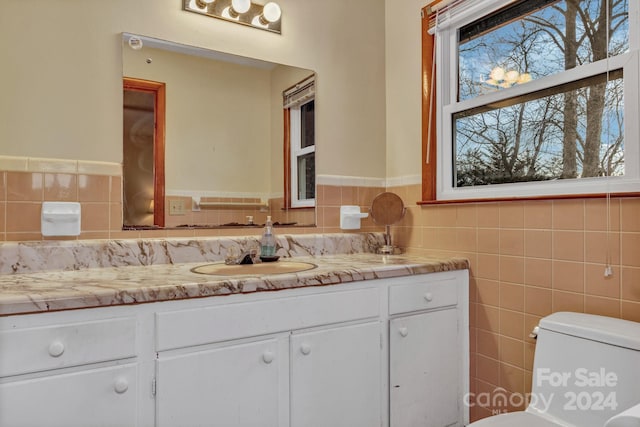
pixel 143 152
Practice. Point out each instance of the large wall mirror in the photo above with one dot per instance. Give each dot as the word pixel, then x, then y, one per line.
pixel 205 131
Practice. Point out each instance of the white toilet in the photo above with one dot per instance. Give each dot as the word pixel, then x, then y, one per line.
pixel 586 371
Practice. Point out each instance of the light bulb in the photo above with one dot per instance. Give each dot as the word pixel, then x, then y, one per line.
pixel 241 6
pixel 271 12
pixel 497 73
pixel 524 78
pixel 512 76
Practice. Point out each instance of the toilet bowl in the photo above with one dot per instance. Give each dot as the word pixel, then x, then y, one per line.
pixel 586 372
pixel 628 418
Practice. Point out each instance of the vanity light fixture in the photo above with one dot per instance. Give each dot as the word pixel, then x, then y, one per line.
pixel 245 12
pixel 499 77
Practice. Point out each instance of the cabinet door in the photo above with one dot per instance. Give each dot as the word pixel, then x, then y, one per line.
pixel 232 386
pixel 97 397
pixel 424 368
pixel 336 377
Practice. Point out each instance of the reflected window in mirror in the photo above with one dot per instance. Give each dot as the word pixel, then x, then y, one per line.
pixel 300 146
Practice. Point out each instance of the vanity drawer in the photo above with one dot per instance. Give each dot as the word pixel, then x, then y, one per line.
pixel 207 325
pixel 423 295
pixel 43 348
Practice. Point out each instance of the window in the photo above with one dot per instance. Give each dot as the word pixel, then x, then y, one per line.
pixel 538 99
pixel 299 103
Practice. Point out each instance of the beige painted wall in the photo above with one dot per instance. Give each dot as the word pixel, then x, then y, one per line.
pixel 403 87
pixel 61 79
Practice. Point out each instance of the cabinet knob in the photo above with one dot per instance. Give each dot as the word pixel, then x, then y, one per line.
pixel 56 349
pixel 403 332
pixel 121 385
pixel 268 356
pixel 305 349
pixel 428 297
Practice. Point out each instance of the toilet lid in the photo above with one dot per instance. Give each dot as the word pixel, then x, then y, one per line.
pixel 513 419
pixel 608 330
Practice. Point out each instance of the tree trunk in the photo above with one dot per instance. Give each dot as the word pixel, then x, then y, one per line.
pixel 598 36
pixel 595 109
pixel 570 112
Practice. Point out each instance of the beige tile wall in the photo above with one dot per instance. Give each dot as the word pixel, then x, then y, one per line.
pixel 529 259
pixel 22 194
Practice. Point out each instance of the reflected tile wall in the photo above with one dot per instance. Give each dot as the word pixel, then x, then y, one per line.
pixel 224 215
pixel 529 259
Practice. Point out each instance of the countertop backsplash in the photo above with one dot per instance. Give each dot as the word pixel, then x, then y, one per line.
pixel 42 256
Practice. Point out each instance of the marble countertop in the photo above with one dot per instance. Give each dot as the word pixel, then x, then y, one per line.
pixel 112 286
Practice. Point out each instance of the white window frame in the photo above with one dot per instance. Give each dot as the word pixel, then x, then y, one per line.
pixel 446 75
pixel 296 152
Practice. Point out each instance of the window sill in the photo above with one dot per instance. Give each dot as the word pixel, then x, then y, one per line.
pixel 528 198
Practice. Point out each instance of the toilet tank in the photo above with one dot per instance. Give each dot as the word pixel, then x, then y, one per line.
pixel 586 368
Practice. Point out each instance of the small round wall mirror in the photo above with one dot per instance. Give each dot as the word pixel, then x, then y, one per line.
pixel 387 209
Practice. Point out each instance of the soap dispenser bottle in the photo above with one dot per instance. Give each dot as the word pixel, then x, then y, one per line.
pixel 268 242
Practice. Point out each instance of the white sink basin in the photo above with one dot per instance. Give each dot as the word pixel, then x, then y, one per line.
pixel 261 269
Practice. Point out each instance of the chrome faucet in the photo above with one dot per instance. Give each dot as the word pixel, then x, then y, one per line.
pixel 234 256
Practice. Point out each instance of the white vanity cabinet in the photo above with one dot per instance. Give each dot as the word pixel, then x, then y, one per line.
pixel 428 353
pixel 391 352
pixel 91 397
pixel 305 361
pixel 335 377
pixel 70 374
pixel 232 385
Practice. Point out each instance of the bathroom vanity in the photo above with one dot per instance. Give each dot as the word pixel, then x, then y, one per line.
pixel 360 341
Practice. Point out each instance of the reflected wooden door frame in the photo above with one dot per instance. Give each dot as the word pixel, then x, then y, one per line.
pixel 159 90
pixel 287 158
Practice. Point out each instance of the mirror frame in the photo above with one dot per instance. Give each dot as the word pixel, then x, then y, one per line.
pixel 159 179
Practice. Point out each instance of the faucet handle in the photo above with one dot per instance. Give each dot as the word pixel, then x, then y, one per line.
pixel 245 258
